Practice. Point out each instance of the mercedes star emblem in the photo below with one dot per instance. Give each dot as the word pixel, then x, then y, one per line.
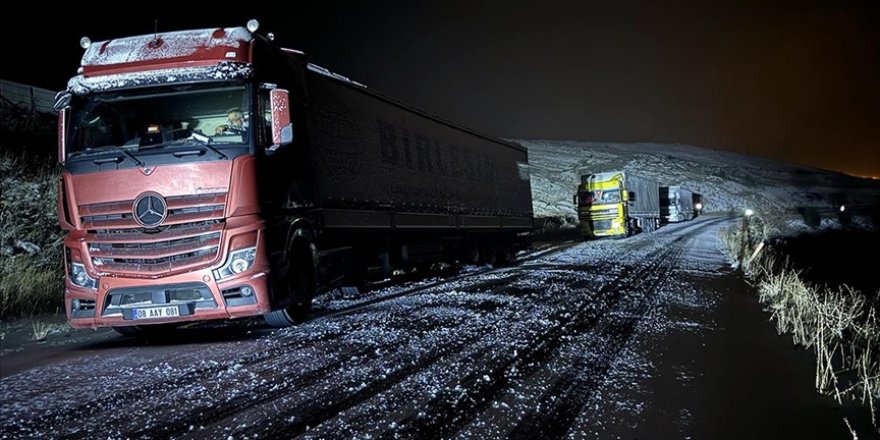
pixel 150 209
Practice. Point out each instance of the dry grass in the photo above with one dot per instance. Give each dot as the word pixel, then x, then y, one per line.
pixel 42 330
pixel 839 324
pixel 31 272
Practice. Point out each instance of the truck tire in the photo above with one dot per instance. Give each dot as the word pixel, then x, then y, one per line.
pixel 505 255
pixel 301 285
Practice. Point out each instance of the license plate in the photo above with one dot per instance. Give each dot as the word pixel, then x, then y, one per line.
pixel 155 312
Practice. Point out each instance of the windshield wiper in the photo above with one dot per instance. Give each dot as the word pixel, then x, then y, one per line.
pixel 114 147
pixel 200 138
pixel 206 141
pixel 129 155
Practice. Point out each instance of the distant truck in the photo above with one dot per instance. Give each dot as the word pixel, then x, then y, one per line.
pixel 211 174
pixel 617 204
pixel 676 204
pixel 698 204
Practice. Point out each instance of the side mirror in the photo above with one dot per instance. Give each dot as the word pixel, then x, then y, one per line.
pixel 575 200
pixel 62 134
pixel 632 196
pixel 282 129
pixel 62 100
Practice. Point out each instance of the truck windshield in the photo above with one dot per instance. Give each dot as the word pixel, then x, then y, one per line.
pixel 159 120
pixel 599 197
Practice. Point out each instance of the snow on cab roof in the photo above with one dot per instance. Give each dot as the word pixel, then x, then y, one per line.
pixel 167 50
pixel 608 175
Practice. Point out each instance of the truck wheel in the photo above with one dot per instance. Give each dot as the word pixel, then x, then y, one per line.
pixel 301 286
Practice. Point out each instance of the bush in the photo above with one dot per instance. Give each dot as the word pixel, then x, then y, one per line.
pixel 840 325
pixel 31 274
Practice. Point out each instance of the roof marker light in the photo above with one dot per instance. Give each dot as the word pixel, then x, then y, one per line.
pixel 253 25
pixel 85 42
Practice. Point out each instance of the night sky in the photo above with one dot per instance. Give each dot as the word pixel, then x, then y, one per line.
pixel 791 80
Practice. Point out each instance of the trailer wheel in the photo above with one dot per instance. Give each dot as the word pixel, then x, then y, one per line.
pixel 470 253
pixel 488 253
pixel 301 285
pixel 505 254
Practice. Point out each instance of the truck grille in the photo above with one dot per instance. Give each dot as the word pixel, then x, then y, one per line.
pixel 190 237
pixel 600 213
pixel 600 225
pixel 181 209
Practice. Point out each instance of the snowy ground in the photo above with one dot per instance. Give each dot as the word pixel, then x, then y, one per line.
pixel 559 346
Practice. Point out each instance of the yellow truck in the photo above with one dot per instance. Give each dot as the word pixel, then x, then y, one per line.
pixel 617 204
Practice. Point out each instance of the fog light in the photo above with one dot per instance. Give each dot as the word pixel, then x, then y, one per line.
pixel 247 291
pixel 74 304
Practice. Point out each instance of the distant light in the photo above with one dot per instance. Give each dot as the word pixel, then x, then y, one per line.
pixel 842 208
pixel 85 42
pixel 749 213
pixel 270 36
pixel 698 206
pixel 253 25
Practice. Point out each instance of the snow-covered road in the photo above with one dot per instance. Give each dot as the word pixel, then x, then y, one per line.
pixel 543 349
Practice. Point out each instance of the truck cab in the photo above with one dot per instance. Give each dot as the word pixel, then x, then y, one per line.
pixel 617 204
pixel 158 138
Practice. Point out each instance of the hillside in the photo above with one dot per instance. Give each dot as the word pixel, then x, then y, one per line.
pixel 728 181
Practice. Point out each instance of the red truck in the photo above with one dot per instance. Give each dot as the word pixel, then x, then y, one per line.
pixel 211 174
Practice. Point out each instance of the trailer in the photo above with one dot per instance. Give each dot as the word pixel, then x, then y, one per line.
pixel 676 204
pixel 617 204
pixel 211 174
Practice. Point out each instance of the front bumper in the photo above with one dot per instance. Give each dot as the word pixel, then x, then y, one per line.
pixel 195 295
pixel 602 227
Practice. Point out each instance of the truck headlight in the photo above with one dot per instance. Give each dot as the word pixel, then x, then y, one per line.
pixel 615 224
pixel 79 277
pixel 238 262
